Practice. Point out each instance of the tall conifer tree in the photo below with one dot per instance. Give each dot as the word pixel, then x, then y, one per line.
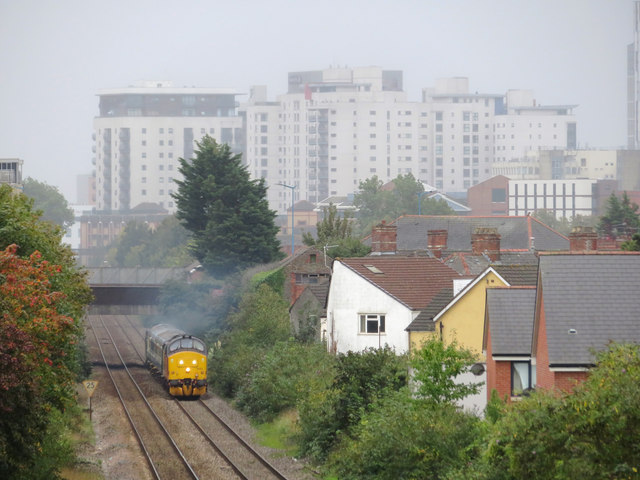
pixel 227 212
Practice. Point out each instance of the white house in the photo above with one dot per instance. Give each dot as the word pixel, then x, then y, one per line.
pixel 372 300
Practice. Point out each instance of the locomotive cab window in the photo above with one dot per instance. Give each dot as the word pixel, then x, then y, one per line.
pixel 198 345
pixel 174 346
pixel 186 343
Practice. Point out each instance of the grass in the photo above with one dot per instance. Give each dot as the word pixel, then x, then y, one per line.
pixel 280 433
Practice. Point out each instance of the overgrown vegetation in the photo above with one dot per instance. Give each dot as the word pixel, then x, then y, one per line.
pixel 43 296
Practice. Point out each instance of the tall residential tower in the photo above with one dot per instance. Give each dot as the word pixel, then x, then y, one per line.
pixel 142 130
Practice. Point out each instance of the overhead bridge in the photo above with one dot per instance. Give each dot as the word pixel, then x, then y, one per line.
pixel 130 291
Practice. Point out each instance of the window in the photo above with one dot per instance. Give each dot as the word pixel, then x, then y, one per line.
pixel 522 377
pixel 498 195
pixel 371 323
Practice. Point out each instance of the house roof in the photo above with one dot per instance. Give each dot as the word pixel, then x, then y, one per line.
pixel 518 275
pixel 589 300
pixel 424 321
pixel 510 311
pixel 517 233
pixel 413 281
pixel 468 263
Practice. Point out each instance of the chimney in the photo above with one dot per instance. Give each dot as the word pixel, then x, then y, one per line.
pixel 583 239
pixel 486 240
pixel 437 241
pixel 383 238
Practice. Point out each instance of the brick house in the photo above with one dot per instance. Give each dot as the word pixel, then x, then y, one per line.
pixel 582 302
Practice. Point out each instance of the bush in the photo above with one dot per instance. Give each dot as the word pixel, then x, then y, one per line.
pixel 278 382
pixel 360 379
pixel 404 438
pixel 591 433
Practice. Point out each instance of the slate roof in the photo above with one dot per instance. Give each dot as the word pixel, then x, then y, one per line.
pixel 424 321
pixel 414 281
pixel 516 232
pixel 467 263
pixel 511 312
pixel 589 300
pixel 518 275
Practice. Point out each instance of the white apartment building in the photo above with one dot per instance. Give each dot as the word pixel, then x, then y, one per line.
pixel 141 132
pixel 525 127
pixel 564 164
pixel 337 127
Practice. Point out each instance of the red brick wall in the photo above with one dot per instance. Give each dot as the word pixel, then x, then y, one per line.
pixel 567 380
pixel 544 376
pixel 498 373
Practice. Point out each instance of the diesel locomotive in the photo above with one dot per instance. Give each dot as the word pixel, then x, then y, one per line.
pixel 179 358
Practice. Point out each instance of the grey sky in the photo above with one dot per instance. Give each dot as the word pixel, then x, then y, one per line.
pixel 56 54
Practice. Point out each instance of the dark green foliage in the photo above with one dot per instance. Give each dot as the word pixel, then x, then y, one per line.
pixel 40 334
pixel 632 245
pixel 279 381
pixel 49 201
pixel 262 319
pixel 360 379
pixel 274 279
pixel 621 217
pixel 225 210
pixel 589 434
pixel 375 204
pixel 436 367
pixel 404 439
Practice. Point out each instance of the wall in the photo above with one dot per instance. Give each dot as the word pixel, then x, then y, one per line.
pixel 464 320
pixel 351 295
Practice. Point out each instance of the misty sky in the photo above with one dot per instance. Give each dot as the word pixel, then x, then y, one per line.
pixel 56 54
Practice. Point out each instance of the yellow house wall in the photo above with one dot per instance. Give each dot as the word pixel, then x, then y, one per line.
pixel 464 321
pixel 417 339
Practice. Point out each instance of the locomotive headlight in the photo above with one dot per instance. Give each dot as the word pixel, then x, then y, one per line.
pixel 195 362
pixel 180 362
pixel 188 369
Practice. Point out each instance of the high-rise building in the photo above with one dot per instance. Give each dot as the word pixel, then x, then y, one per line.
pixel 633 83
pixel 142 130
pixel 337 127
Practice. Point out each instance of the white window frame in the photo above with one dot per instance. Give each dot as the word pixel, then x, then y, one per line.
pixel 366 322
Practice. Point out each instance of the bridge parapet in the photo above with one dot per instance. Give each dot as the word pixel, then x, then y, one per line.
pixel 133 276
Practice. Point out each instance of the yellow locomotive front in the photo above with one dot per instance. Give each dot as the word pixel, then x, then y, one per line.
pixel 186 367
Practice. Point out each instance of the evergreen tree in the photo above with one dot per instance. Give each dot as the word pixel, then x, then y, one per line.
pixel 621 217
pixel 226 211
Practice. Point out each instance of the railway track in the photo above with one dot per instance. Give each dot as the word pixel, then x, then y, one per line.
pixel 241 458
pixel 163 456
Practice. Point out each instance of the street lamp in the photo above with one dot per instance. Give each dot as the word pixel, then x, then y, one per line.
pixel 292 187
pixel 420 194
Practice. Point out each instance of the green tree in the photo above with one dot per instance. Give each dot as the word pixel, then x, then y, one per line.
pixel 403 438
pixel 49 201
pixel 632 245
pixel 591 433
pixel 376 204
pixel 360 379
pixel 436 368
pixel 261 320
pixel 621 217
pixel 139 245
pixel 336 233
pixel 225 210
